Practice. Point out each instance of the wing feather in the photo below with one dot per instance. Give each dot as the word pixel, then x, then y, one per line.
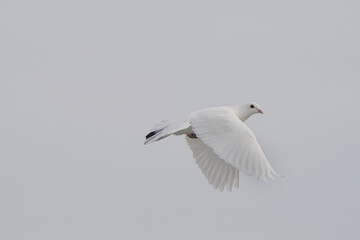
pixel 219 173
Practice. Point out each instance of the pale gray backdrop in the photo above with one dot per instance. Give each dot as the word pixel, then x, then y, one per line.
pixel 82 82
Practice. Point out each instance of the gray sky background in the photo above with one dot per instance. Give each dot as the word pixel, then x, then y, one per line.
pixel 81 83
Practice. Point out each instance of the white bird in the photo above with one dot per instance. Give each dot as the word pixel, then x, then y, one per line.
pixel 221 143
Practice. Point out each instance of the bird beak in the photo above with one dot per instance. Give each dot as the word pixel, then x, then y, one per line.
pixel 260 111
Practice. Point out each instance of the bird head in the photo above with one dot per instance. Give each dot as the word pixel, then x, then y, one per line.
pixel 255 108
pixel 245 111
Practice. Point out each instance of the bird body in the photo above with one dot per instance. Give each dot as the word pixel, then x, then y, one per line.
pixel 221 143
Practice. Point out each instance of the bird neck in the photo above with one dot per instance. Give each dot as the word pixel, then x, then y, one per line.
pixel 242 112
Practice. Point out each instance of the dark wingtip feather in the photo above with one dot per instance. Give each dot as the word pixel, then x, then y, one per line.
pixel 150 134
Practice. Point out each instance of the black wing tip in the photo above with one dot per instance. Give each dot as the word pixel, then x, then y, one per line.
pixel 150 135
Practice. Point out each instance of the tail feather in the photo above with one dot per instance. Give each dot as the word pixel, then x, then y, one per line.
pixel 156 132
pixel 150 134
pixel 165 129
pixel 155 136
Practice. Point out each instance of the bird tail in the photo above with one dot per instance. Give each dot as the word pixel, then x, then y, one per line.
pixel 167 128
pixel 158 132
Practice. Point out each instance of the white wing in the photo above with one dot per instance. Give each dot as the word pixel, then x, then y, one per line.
pixel 218 173
pixel 230 139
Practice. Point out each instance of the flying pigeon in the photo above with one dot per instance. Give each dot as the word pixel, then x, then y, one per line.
pixel 221 143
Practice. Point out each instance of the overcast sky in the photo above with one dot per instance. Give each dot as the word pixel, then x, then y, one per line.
pixel 82 82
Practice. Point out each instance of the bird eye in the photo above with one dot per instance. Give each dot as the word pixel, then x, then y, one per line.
pixel 252 106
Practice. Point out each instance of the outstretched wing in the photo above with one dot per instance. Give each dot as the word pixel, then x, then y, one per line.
pixel 231 140
pixel 218 173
